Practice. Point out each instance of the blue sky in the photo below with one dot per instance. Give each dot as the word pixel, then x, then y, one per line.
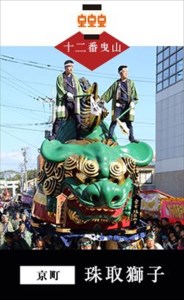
pixel 23 86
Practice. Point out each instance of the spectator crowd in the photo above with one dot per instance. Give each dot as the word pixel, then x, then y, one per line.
pixel 17 233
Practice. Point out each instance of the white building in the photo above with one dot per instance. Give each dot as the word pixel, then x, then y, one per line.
pixel 169 171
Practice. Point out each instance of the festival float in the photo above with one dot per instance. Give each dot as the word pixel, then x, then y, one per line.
pixel 90 185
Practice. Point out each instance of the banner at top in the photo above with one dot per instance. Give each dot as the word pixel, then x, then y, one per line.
pixel 92 46
pixel 135 23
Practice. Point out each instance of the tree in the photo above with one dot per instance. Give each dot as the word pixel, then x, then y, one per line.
pixel 31 174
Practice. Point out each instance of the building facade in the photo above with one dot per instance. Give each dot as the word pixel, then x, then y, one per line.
pixel 146 177
pixel 169 167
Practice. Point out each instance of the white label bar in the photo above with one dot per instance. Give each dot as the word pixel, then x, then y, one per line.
pixel 47 275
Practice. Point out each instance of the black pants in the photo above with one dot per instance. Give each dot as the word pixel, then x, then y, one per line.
pixel 55 128
pixel 70 106
pixel 118 112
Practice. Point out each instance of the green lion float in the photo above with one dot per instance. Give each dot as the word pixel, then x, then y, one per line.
pixel 88 183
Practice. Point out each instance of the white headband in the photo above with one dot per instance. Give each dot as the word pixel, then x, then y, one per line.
pixel 123 69
pixel 68 64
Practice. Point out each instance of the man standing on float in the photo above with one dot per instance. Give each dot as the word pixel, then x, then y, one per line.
pixel 67 102
pixel 123 94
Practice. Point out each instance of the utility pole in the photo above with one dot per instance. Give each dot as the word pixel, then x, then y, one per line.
pixel 53 109
pixel 24 153
pixel 53 104
pixel 22 177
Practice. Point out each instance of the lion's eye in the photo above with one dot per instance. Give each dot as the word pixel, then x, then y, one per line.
pixel 117 169
pixel 90 168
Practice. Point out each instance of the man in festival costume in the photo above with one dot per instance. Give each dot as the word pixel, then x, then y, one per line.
pixel 67 101
pixel 123 94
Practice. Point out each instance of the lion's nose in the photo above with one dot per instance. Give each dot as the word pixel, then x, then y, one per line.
pixel 104 193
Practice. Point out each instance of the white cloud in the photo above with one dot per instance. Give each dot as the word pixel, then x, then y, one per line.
pixel 11 155
pixel 10 160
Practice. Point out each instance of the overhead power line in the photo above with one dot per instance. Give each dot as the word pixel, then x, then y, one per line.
pixel 32 82
pixel 14 127
pixel 57 68
pixel 24 108
pixel 24 83
pixel 30 124
pixel 19 139
pixel 23 89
